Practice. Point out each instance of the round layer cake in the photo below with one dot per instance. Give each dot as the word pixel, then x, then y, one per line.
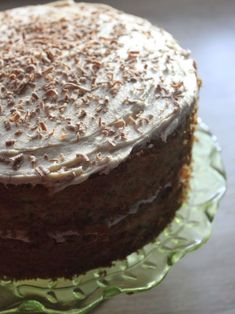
pixel 97 113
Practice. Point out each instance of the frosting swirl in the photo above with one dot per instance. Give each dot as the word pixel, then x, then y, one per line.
pixel 80 86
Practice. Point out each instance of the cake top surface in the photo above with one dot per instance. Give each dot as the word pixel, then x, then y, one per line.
pixel 80 86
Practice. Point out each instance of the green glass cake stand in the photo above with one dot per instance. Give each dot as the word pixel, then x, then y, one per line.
pixel 143 269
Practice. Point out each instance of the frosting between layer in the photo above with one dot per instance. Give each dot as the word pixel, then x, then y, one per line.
pixel 80 86
pixel 63 236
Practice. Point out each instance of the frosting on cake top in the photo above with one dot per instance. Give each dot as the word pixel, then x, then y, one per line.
pixel 80 86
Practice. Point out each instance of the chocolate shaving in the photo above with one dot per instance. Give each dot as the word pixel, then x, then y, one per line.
pixel 17 161
pixel 10 143
pixel 73 86
pixel 41 171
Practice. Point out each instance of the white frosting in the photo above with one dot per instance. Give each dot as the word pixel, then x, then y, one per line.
pixel 18 235
pixel 80 86
pixel 134 209
pixel 61 237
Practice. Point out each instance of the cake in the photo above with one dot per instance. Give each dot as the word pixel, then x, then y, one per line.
pixel 97 114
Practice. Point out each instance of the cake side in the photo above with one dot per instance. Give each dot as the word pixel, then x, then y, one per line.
pixel 128 208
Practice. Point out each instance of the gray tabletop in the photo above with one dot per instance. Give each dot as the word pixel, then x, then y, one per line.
pixel 204 281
